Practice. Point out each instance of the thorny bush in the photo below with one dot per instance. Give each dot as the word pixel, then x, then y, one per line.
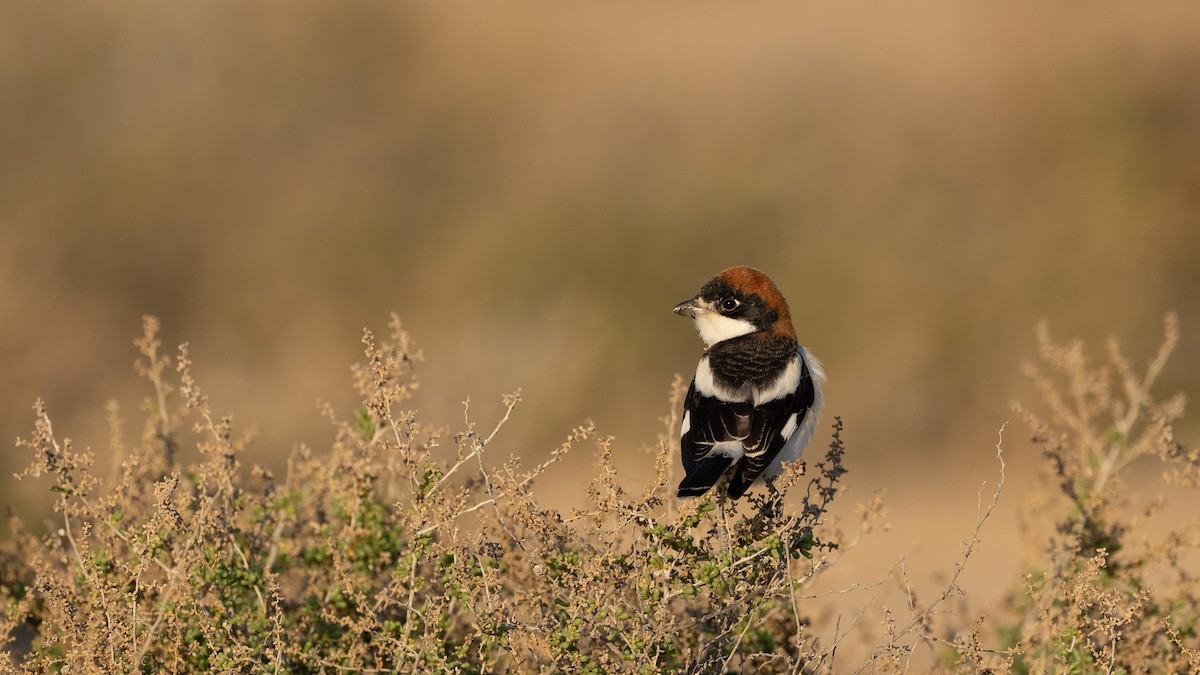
pixel 403 548
pixel 1108 591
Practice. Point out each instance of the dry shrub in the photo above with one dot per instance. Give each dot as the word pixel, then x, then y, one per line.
pixel 403 548
pixel 406 548
pixel 1105 596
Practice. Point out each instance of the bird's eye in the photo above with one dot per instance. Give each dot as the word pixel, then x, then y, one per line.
pixel 729 304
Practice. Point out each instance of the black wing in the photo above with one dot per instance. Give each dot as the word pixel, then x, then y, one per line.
pixel 710 421
pixel 766 440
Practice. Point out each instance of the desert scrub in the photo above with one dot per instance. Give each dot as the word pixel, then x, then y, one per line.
pixel 403 547
pixel 1104 596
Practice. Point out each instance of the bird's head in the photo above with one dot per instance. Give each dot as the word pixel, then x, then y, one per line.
pixel 736 302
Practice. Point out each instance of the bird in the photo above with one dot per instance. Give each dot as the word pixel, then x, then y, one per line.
pixel 757 394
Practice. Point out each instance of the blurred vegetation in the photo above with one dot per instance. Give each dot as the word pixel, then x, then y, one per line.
pixel 533 188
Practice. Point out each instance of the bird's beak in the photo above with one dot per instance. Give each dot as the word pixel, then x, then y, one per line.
pixel 689 308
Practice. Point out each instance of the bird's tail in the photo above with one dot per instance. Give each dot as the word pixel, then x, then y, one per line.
pixel 705 475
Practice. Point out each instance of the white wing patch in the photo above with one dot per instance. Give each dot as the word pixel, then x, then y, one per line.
pixel 733 449
pixel 788 427
pixel 687 423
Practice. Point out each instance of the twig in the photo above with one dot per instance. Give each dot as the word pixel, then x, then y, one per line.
pixel 968 551
pixel 510 402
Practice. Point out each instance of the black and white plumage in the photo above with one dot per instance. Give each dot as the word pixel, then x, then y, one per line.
pixel 756 396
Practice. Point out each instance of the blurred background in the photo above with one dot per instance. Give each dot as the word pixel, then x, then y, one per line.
pixel 533 189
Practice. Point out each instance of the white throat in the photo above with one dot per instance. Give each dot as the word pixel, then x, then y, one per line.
pixel 715 327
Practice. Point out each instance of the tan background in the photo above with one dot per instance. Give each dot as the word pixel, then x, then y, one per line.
pixel 533 189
